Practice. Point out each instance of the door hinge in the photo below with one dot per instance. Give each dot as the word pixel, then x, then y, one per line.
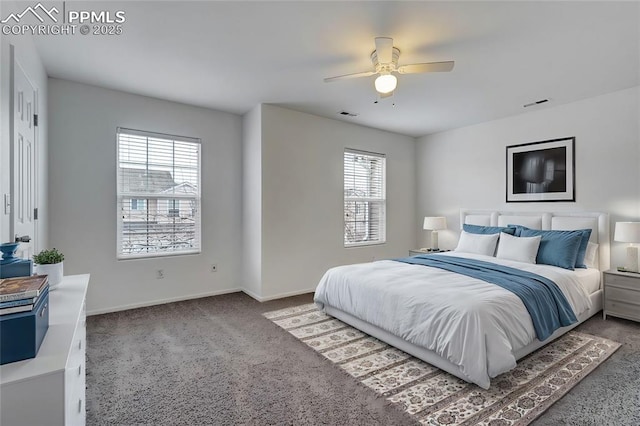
pixel 35 214
pixel 35 119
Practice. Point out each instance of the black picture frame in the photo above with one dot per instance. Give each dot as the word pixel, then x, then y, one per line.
pixel 541 171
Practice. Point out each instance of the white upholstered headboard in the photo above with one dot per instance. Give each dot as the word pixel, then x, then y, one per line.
pixel 598 222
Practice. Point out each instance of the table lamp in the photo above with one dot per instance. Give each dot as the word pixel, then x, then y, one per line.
pixel 629 232
pixel 434 224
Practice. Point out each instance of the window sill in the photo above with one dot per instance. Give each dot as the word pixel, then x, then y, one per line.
pixel 157 255
pixel 365 244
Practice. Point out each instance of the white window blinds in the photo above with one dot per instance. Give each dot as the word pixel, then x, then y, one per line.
pixel 158 190
pixel 364 198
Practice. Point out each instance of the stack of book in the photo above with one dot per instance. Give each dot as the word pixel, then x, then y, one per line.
pixel 21 294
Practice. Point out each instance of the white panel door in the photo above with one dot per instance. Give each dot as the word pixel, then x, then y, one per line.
pixel 23 187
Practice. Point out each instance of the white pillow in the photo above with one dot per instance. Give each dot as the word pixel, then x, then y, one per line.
pixel 477 243
pixel 591 256
pixel 521 249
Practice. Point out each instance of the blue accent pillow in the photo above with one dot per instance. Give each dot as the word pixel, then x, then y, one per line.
pixel 557 248
pixel 582 251
pixel 518 229
pixel 476 229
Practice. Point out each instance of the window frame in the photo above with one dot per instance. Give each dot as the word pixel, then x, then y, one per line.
pixel 121 196
pixel 382 200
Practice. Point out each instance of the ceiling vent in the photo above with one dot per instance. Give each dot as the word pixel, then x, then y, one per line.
pixel 541 101
pixel 348 114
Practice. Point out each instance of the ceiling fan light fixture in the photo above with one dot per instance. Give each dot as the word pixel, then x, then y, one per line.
pixel 386 83
pixel 385 65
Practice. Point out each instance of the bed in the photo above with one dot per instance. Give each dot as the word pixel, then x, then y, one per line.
pixel 470 328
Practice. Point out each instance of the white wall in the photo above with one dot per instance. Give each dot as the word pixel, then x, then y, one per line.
pixel 465 168
pixel 82 173
pixel 26 54
pixel 302 197
pixel 272 191
pixel 252 201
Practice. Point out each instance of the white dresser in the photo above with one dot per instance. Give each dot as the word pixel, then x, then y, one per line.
pixel 49 389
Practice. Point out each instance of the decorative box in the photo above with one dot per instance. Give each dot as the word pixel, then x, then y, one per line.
pixel 21 334
pixel 11 266
pixel 20 268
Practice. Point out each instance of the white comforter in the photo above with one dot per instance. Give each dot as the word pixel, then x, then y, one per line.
pixel 473 324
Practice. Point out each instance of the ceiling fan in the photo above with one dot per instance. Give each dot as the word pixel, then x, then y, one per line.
pixel 385 61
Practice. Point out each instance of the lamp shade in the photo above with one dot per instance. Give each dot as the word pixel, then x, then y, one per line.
pixel 435 223
pixel 627 232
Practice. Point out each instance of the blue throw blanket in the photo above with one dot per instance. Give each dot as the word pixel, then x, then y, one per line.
pixel 548 307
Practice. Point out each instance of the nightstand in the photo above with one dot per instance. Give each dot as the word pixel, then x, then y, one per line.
pixel 621 295
pixel 415 252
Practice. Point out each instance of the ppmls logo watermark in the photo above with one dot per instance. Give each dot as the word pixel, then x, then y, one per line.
pixel 58 20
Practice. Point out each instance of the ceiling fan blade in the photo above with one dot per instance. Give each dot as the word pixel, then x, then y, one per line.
pixel 384 49
pixel 426 67
pixel 348 76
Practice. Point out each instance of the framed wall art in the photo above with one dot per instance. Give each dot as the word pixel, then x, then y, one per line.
pixel 541 171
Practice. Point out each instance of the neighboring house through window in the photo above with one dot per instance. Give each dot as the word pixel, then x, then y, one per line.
pixel 158 193
pixel 364 198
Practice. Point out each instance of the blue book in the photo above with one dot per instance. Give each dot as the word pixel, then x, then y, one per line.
pixel 21 302
pixel 16 310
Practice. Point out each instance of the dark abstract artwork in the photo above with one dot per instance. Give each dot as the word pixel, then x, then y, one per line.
pixel 541 171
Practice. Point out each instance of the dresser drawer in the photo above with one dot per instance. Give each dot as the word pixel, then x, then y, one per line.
pixel 623 309
pixel 621 281
pixel 620 294
pixel 72 376
pixel 76 415
pixel 79 342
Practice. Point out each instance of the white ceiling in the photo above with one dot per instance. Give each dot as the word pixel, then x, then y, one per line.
pixel 232 56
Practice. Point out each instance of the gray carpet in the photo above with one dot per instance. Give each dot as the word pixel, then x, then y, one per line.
pixel 611 394
pixel 217 361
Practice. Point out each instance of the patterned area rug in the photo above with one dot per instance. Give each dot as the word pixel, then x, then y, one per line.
pixel 435 397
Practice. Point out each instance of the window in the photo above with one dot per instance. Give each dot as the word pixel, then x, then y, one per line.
pixel 173 208
pixel 364 198
pixel 158 180
pixel 137 204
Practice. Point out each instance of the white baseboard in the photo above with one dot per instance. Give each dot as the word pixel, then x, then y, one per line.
pixel 277 296
pixel 251 294
pixel 161 301
pixel 197 296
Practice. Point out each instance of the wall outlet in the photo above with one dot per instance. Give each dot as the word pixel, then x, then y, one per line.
pixel 214 267
pixel 160 274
